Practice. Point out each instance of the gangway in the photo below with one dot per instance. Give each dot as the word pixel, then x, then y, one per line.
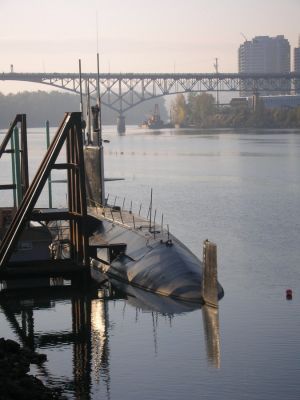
pixel 70 134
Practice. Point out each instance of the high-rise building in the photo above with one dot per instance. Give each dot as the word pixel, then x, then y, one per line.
pixel 265 54
pixel 297 66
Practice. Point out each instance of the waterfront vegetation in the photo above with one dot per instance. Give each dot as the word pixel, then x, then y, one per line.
pixel 201 111
pixel 41 106
pixel 197 110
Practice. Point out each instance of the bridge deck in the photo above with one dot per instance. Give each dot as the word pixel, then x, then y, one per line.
pixel 123 91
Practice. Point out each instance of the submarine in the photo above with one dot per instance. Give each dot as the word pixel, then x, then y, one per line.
pixel 136 250
pixel 157 263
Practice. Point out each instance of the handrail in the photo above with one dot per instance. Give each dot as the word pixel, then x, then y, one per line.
pixel 8 135
pixel 20 170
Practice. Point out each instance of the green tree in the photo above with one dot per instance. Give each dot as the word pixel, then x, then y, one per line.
pixel 179 110
pixel 201 107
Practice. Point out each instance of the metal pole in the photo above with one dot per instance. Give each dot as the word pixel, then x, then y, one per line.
pixel 150 210
pixel 121 216
pixel 49 179
pixel 13 166
pixel 99 102
pixel 17 166
pixel 154 222
pixel 24 156
pixel 80 86
pixel 100 142
pixel 89 138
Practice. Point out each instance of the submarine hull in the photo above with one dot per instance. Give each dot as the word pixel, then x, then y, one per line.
pixel 154 262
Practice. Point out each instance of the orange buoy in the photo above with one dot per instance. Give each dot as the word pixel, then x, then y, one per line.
pixel 289 294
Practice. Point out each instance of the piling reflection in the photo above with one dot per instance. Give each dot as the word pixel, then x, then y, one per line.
pixel 89 333
pixel 211 328
pixel 100 340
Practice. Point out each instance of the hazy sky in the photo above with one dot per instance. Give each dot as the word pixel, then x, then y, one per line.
pixel 135 35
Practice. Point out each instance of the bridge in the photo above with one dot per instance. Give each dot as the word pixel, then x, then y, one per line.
pixel 123 91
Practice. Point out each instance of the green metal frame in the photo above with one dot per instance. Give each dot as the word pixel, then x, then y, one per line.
pixel 70 134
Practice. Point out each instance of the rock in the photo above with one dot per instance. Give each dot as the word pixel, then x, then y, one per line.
pixel 15 383
pixel 12 346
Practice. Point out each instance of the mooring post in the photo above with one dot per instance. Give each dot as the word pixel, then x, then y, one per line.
pixel 209 282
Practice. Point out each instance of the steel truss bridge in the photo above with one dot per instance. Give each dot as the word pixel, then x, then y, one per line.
pixel 122 91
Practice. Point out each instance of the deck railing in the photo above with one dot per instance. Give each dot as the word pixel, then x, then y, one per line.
pixel 118 214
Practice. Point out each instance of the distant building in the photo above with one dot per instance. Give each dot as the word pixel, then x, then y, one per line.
pixel 297 66
pixel 240 103
pixel 285 101
pixel 270 102
pixel 265 54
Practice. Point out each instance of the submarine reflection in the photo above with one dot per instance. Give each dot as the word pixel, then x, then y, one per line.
pixel 89 333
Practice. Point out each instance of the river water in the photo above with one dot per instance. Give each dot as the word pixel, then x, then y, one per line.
pixel 240 189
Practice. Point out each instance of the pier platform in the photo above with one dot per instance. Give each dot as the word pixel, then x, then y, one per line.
pixel 42 268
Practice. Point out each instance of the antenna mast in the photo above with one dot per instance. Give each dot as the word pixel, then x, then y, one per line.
pixel 83 123
pixel 99 136
pixel 80 86
pixel 99 102
pixel 88 114
pixel 244 36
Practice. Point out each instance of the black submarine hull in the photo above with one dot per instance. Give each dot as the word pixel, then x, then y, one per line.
pixel 157 263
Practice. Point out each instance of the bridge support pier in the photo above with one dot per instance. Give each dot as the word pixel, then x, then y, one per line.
pixel 121 127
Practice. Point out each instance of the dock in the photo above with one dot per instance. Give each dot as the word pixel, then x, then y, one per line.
pixel 91 234
pixel 76 219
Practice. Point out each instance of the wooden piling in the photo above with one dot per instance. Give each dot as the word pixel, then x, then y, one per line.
pixel 209 282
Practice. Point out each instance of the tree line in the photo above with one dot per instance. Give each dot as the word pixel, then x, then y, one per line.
pixel 201 110
pixel 40 106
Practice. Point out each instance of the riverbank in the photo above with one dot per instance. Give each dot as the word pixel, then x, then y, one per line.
pixel 15 383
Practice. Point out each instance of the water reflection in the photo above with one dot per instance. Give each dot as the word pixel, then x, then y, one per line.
pixel 89 333
pixel 210 317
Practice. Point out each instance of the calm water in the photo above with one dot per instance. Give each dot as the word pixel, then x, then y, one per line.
pixel 239 189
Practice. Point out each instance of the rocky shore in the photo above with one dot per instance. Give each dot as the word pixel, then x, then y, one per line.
pixel 15 383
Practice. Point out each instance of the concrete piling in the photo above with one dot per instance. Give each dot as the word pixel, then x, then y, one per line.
pixel 121 127
pixel 209 282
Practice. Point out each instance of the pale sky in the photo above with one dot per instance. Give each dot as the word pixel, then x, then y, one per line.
pixel 135 35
